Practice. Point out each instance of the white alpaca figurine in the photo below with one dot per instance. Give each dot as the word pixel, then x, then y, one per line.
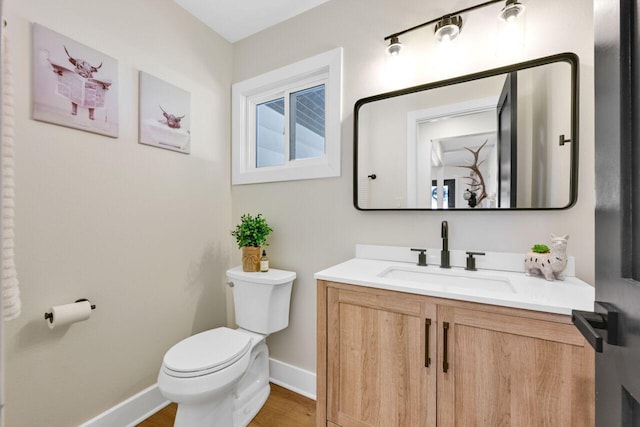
pixel 551 264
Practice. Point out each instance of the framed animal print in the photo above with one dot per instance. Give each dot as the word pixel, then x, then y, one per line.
pixel 165 115
pixel 73 85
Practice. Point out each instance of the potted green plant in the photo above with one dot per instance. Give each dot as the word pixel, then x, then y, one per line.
pixel 250 235
pixel 540 249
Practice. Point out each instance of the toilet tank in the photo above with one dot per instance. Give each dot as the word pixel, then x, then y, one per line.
pixel 261 299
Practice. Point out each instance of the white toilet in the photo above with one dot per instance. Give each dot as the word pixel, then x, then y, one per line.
pixel 220 377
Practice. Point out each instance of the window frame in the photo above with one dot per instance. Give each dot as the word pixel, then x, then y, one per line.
pixel 325 68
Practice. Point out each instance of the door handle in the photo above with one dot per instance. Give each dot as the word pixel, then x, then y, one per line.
pixel 427 359
pixel 445 344
pixel 587 323
pixel 592 325
pixel 563 140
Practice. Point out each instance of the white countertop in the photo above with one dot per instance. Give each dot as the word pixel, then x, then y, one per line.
pixel 525 292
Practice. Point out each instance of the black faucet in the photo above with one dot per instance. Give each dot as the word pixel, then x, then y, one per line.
pixel 422 257
pixel 444 253
pixel 471 261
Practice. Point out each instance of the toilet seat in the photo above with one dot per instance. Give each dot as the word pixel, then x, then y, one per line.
pixel 205 353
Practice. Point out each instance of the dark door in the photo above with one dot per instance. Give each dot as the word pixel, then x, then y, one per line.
pixel 507 148
pixel 617 245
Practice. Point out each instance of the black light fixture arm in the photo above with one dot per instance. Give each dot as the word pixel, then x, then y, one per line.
pixel 433 21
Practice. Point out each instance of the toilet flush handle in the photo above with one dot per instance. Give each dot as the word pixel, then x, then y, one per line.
pixel 230 284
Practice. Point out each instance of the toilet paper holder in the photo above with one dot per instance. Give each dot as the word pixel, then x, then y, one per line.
pixel 49 316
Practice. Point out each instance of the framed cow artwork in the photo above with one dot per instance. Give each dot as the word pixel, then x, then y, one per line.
pixel 165 115
pixel 73 85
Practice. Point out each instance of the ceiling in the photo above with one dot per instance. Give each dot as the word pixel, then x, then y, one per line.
pixel 235 20
pixel 455 149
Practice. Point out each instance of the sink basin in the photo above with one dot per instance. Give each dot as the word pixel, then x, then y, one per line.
pixel 451 280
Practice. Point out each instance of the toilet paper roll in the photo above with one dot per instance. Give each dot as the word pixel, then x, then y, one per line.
pixel 69 313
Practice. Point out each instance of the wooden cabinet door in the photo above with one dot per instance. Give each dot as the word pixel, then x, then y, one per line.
pixel 512 371
pixel 376 359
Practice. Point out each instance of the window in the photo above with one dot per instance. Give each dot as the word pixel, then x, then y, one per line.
pixel 448 194
pixel 286 123
pixel 270 133
pixel 306 117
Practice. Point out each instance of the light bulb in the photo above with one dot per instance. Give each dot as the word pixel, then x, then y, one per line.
pixel 511 33
pixel 511 10
pixel 448 28
pixel 394 47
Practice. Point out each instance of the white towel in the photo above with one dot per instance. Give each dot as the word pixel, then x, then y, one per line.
pixel 11 305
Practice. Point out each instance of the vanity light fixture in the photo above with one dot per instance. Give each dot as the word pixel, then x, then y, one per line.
pixel 511 10
pixel 394 47
pixel 448 26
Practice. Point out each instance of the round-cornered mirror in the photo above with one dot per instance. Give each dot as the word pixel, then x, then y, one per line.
pixel 501 139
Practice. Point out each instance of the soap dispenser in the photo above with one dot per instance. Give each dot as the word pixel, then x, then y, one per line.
pixel 264 262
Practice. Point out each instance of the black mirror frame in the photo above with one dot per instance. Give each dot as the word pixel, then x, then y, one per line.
pixel 570 58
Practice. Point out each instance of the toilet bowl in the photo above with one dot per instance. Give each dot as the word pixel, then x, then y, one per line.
pixel 220 377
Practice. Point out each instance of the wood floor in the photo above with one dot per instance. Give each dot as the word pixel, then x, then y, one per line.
pixel 284 408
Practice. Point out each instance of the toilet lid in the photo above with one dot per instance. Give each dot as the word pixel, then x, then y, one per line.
pixel 206 352
pixel 272 277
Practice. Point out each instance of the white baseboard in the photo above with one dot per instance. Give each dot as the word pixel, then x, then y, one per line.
pixel 293 378
pixel 132 411
pixel 149 401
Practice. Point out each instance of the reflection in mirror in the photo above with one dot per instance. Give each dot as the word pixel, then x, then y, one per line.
pixel 493 140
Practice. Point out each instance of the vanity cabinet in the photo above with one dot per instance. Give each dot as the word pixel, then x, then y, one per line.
pixel 512 370
pixel 378 348
pixel 388 358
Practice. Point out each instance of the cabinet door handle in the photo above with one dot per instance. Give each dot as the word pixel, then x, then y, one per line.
pixel 445 342
pixel 427 359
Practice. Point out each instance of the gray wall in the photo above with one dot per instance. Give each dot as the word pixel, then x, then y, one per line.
pixel 314 221
pixel 142 232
